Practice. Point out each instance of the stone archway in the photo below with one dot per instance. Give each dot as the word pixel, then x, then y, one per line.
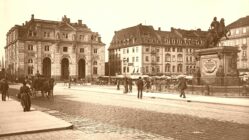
pixel 65 68
pixel 46 67
pixel 81 68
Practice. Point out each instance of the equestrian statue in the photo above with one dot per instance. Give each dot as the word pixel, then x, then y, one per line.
pixel 216 31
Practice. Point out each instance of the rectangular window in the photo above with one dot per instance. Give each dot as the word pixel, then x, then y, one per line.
pixel 137 59
pixel 147 49
pixel 173 49
pixel 244 30
pixel 147 58
pixel 30 70
pixel 65 49
pixel 158 59
pixel 173 58
pixel 30 47
pixel 244 41
pixel 124 69
pixel 146 69
pixel 95 50
pixel 81 50
pixel 133 59
pixel 127 50
pixel 136 49
pixel 133 50
pixel 95 70
pixel 237 31
pixel 46 48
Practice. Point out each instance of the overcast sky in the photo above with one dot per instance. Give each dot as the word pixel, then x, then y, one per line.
pixel 107 16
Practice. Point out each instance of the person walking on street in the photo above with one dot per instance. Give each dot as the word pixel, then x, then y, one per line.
pixel 25 97
pixel 4 89
pixel 140 85
pixel 130 85
pixel 125 85
pixel 118 84
pixel 182 86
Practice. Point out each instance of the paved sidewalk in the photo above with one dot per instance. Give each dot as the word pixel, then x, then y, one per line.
pixel 14 121
pixel 166 95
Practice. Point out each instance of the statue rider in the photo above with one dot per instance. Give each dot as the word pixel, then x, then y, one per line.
pixel 214 26
pixel 221 29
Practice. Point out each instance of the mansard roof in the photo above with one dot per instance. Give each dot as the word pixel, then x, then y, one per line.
pixel 242 22
pixel 146 35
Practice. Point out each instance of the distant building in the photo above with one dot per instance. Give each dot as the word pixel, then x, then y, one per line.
pixel 239 37
pixel 57 49
pixel 142 50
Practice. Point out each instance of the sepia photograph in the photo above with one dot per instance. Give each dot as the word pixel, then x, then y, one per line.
pixel 124 70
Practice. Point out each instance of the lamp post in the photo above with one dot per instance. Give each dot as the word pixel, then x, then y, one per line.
pixel 69 84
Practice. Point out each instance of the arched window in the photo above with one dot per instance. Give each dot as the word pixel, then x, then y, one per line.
pixel 167 57
pixel 179 68
pixel 167 68
pixel 95 63
pixel 30 61
pixel 179 58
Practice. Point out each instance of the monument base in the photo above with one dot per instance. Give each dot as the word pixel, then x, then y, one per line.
pixel 217 66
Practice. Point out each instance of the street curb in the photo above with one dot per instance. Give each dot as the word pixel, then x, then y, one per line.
pixel 194 101
pixel 187 100
pixel 37 131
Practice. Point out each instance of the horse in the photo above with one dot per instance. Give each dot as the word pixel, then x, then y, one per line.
pixel 45 85
pixel 213 37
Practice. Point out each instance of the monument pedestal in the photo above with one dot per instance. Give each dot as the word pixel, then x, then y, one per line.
pixel 217 66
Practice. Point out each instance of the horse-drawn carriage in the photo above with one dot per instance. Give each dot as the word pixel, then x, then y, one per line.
pixel 42 84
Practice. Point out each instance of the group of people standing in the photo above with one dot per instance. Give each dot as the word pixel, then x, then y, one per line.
pixel 23 95
pixel 147 84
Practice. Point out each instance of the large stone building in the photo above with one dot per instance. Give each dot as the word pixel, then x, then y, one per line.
pixel 142 50
pixel 239 36
pixel 54 48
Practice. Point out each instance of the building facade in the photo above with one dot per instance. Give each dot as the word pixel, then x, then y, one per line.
pixel 57 49
pixel 239 37
pixel 144 51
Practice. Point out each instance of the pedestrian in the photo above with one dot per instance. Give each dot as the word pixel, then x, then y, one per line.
pixel 4 89
pixel 148 85
pixel 182 86
pixel 118 84
pixel 140 85
pixel 130 85
pixel 24 96
pixel 125 85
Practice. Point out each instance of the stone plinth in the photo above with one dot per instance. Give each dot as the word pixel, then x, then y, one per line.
pixel 218 65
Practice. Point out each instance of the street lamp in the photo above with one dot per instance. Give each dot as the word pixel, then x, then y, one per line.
pixel 69 84
pixel 124 62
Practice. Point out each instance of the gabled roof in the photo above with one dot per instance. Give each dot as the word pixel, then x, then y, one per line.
pixel 244 21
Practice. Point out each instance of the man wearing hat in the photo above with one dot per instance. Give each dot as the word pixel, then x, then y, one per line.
pixel 140 85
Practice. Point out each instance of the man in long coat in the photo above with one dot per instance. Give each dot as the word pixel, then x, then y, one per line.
pixel 140 85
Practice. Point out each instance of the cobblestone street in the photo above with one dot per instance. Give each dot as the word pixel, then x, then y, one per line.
pixel 130 118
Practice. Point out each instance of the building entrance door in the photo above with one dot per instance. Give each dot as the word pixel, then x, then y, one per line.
pixel 64 69
pixel 46 67
pixel 81 68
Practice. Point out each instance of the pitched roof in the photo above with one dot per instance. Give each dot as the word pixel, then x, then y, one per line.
pixel 146 35
pixel 244 21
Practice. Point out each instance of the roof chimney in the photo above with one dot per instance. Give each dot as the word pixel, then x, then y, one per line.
pixel 80 22
pixel 32 16
pixel 159 28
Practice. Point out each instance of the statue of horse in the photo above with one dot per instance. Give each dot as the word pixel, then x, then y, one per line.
pixel 214 36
